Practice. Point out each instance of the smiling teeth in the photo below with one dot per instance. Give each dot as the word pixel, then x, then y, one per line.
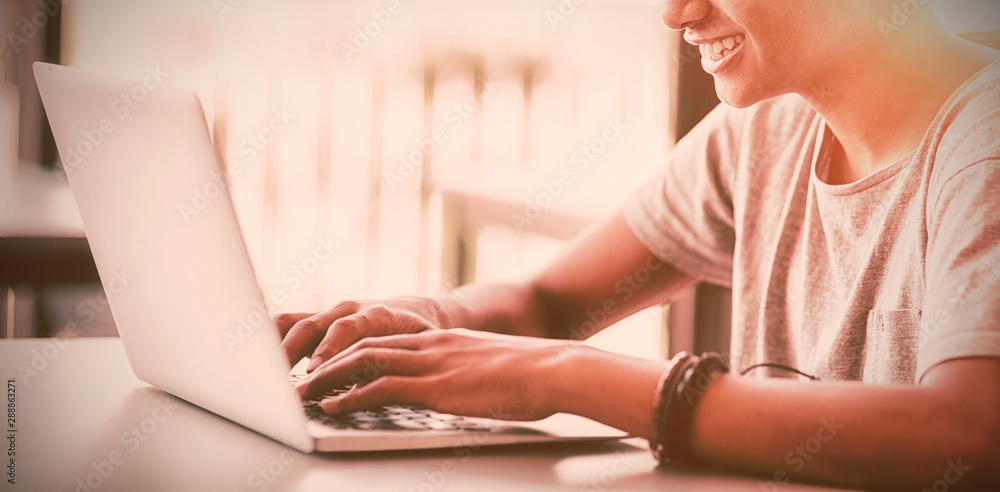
pixel 718 50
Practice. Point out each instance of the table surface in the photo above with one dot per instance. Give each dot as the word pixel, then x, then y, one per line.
pixel 85 423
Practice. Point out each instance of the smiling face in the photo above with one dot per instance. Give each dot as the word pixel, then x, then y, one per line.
pixel 758 49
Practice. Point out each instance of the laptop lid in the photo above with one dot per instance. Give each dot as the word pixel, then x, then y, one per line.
pixel 176 272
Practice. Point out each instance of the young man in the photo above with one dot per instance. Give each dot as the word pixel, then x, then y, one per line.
pixel 847 190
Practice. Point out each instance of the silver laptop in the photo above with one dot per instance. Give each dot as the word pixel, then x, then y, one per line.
pixel 181 286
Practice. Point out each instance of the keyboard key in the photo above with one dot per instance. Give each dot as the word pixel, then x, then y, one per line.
pixel 393 418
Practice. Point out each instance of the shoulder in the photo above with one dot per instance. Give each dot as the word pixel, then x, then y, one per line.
pixel 966 133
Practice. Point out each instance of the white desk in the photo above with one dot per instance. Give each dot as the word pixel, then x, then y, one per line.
pixel 80 409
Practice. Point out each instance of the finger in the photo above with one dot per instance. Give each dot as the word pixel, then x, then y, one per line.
pixel 362 367
pixel 390 390
pixel 343 333
pixel 306 333
pixel 284 321
pixel 371 322
pixel 343 338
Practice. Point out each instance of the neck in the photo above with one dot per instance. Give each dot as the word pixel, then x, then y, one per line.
pixel 880 102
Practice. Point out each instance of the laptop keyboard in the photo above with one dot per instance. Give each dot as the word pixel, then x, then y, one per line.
pixel 390 418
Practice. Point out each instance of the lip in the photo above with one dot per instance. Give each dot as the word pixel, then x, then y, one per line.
pixel 714 67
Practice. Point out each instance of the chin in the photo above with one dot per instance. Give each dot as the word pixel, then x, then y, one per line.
pixel 739 95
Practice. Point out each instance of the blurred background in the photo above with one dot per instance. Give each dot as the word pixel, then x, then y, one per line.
pixel 437 141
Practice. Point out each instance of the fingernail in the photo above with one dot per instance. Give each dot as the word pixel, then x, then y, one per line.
pixel 314 363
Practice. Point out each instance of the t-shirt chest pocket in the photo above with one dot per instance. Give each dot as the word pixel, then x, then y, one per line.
pixel 891 346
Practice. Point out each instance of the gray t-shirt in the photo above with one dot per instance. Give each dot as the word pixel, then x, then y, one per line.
pixel 878 280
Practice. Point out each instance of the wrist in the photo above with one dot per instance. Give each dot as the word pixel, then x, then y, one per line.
pixel 678 394
pixel 610 388
pixel 442 309
pixel 566 367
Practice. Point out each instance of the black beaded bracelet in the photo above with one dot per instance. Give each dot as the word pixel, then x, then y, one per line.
pixel 680 395
pixel 666 401
pixel 667 380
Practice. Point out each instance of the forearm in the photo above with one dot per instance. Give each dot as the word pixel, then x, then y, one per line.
pixel 526 309
pixel 612 389
pixel 603 276
pixel 849 433
pixel 886 437
pixel 508 308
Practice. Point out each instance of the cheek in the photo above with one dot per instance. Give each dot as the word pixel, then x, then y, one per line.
pixel 757 78
pixel 778 52
pixel 779 30
pixel 773 46
pixel 776 60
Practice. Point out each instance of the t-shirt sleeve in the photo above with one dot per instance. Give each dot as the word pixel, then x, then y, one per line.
pixel 684 215
pixel 961 309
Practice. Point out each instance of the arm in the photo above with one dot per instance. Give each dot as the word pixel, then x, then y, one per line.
pixel 602 277
pixel 856 434
pixel 593 284
pixel 848 433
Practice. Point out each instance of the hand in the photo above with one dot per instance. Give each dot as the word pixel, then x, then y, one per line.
pixel 327 333
pixel 454 371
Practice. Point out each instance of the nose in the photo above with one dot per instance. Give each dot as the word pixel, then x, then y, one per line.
pixel 679 14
